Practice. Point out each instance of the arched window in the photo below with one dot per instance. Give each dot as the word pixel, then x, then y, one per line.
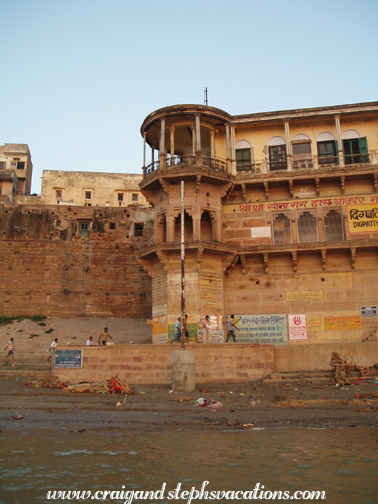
pixel 333 225
pixel 307 227
pixel 354 147
pixel 277 153
pixel 161 229
pixel 244 155
pixel 206 227
pixel 281 229
pixel 327 149
pixel 188 227
pixel 302 158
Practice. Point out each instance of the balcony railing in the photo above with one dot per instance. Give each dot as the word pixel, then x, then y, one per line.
pixel 294 163
pixel 188 160
pixel 255 167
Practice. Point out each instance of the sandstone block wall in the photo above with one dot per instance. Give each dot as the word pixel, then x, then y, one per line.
pixel 317 357
pixel 54 272
pixel 148 364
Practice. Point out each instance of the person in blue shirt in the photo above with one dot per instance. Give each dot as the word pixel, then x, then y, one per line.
pixel 177 334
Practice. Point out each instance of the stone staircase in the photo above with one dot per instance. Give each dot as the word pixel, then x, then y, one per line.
pixel 310 376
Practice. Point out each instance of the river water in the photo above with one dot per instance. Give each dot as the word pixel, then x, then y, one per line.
pixel 342 463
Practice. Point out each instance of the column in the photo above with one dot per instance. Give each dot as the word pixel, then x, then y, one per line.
pixel 162 144
pixel 144 153
pixel 152 158
pixel 288 147
pixel 198 133
pixel 339 141
pixel 212 144
pixel 229 169
pixel 172 131
pixel 233 152
pixel 193 141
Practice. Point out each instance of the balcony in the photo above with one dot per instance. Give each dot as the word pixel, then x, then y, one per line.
pixel 199 160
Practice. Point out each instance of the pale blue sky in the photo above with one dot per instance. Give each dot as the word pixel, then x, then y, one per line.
pixel 79 76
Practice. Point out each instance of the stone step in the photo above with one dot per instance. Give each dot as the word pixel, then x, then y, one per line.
pixel 300 375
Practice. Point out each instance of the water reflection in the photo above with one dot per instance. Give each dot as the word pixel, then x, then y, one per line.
pixel 343 463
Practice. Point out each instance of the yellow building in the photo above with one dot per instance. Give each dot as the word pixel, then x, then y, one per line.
pixel 281 221
pixel 91 189
pixel 17 158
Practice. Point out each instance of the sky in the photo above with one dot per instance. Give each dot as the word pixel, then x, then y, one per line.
pixel 78 77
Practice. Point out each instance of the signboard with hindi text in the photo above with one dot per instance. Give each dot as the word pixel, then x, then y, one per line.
pixel 343 323
pixel 267 329
pixel 363 218
pixel 299 204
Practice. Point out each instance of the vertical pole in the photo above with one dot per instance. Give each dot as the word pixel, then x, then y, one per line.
pixel 182 270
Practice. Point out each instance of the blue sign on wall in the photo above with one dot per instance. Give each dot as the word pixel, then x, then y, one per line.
pixel 68 358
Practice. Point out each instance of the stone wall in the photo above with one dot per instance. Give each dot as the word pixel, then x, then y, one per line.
pixel 317 357
pixel 152 363
pixel 53 271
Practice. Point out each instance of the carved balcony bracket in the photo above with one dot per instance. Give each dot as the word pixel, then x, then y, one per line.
pixel 146 265
pixel 266 187
pixel 342 181
pixel 353 257
pixel 243 264
pixel 243 188
pixel 266 264
pixel 324 259
pixel 198 182
pixel 228 262
pixel 163 258
pixel 165 185
pixel 375 182
pixel 317 183
pixel 295 260
pixel 226 190
pixel 199 253
pixel 291 187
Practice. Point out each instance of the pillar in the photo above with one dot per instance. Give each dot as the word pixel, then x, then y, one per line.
pixel 172 139
pixel 144 153
pixel 198 134
pixel 162 144
pixel 183 371
pixel 288 147
pixel 212 144
pixel 339 141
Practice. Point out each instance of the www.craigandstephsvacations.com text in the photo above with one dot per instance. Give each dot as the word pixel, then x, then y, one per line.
pixel 128 496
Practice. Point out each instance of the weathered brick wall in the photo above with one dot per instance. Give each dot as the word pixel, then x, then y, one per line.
pixel 152 363
pixel 55 272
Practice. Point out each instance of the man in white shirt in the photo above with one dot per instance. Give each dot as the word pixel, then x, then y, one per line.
pixel 53 345
pixel 90 341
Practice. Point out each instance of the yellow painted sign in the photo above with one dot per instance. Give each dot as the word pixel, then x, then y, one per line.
pixel 363 218
pixel 160 325
pixel 343 323
pixel 311 203
pixel 315 324
pixel 304 296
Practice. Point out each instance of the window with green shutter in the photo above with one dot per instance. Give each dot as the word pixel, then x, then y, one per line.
pixel 243 159
pixel 84 229
pixel 355 151
pixel 327 152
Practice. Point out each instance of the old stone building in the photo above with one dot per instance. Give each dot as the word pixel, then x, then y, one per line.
pixel 15 159
pixel 91 189
pixel 281 221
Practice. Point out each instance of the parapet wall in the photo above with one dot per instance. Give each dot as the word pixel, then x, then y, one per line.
pixel 147 364
pixel 290 358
